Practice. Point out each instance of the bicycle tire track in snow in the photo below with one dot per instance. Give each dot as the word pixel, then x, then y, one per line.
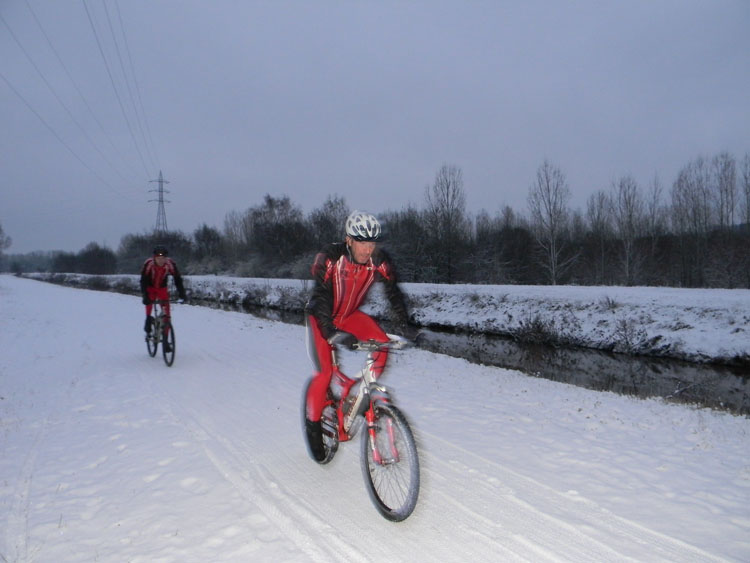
pixel 259 489
pixel 17 520
pixel 527 516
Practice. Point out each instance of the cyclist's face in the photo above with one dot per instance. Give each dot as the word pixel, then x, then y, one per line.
pixel 160 260
pixel 361 250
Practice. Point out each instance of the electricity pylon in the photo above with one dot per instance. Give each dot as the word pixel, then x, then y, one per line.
pixel 161 215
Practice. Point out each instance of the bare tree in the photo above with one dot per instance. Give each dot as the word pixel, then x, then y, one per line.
pixel 655 228
pixel 656 214
pixel 207 242
pixel 693 186
pixel 509 219
pixel 486 253
pixel 548 206
pixel 726 252
pixel 691 214
pixel 96 259
pixel 5 240
pixel 327 222
pixel 599 217
pixel 234 235
pixel 746 190
pixel 446 220
pixel 724 172
pixel 407 241
pixel 628 213
pixel 277 230
pixel 745 230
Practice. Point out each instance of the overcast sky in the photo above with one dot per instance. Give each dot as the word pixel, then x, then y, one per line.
pixel 366 100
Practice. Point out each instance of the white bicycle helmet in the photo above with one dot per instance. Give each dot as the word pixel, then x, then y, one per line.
pixel 362 226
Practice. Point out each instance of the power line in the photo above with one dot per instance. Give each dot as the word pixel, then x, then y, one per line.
pixel 28 105
pixel 127 84
pixel 137 88
pixel 57 97
pixel 114 87
pixel 77 88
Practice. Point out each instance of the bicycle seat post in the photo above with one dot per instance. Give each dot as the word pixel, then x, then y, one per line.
pixel 334 357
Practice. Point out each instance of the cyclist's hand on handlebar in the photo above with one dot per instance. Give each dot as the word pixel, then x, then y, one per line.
pixel 343 340
pixel 146 300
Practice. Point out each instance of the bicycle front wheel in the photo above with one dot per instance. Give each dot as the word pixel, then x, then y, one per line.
pixel 390 464
pixel 168 345
pixel 152 342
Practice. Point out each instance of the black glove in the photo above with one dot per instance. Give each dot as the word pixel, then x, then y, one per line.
pixel 183 297
pixel 146 300
pixel 343 339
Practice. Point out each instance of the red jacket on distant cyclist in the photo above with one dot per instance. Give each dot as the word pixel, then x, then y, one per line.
pixel 154 278
pixel 343 274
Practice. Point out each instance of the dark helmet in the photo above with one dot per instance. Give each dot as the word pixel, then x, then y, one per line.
pixel 362 226
pixel 160 250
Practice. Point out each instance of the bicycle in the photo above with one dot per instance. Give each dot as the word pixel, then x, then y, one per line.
pixel 389 459
pixel 162 332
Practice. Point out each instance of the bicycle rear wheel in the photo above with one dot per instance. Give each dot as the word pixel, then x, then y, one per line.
pixel 168 338
pixel 390 464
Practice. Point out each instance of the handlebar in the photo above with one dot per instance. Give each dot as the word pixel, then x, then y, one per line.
pixel 395 342
pixel 167 301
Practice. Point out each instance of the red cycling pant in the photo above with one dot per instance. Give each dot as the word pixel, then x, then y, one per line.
pixel 158 293
pixel 360 325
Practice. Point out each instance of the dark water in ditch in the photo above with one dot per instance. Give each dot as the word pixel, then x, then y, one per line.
pixel 717 387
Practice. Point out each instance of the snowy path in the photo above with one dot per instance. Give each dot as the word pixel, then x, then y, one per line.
pixel 109 455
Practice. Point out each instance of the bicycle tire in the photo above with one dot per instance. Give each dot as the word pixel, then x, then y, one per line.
pixel 152 341
pixel 169 338
pixel 392 483
pixel 329 422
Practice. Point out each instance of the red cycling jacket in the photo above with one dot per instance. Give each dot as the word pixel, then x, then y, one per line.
pixel 154 276
pixel 341 285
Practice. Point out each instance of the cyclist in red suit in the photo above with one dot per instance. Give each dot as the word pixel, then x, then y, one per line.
pixel 154 274
pixel 343 273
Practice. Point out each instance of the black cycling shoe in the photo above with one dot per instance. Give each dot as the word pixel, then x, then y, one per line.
pixel 315 440
pixel 149 324
pixel 167 347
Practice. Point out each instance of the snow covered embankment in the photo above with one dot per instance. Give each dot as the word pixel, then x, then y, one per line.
pixel 698 325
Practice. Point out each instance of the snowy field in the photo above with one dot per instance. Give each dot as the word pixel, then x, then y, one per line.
pixel 108 455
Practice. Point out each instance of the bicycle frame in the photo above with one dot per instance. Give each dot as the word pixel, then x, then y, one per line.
pixel 161 316
pixel 369 389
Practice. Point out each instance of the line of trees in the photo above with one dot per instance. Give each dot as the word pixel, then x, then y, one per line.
pixel 697 234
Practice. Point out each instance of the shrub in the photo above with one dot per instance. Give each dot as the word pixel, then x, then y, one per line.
pixel 629 336
pixel 99 283
pixel 609 304
pixel 536 330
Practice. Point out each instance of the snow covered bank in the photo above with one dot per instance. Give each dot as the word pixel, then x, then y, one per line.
pixel 698 325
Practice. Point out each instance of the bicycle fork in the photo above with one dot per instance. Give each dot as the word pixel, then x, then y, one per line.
pixel 389 444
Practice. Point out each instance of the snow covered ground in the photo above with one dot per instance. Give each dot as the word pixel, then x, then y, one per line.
pixel 107 454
